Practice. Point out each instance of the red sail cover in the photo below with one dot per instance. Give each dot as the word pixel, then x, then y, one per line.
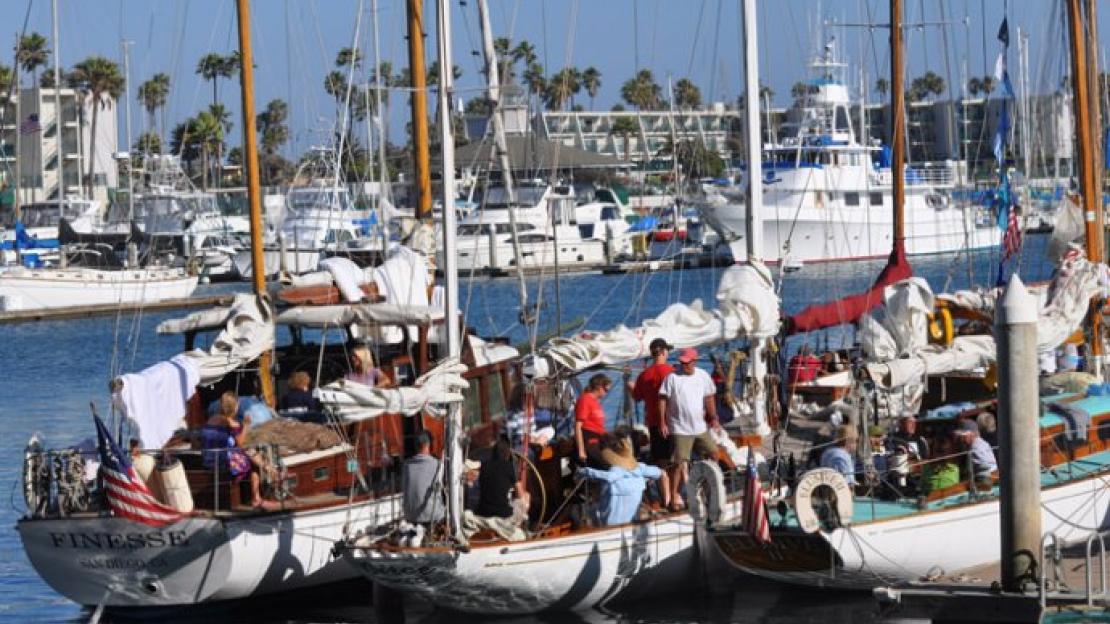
pixel 851 308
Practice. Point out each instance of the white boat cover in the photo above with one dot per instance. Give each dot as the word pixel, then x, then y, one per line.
pixel 156 399
pixel 431 392
pixel 347 277
pixel 360 313
pixel 248 332
pixel 748 306
pixel 894 335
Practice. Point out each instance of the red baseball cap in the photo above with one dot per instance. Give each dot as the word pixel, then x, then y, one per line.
pixel 689 354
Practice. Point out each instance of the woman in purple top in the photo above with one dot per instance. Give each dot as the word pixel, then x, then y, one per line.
pixel 364 372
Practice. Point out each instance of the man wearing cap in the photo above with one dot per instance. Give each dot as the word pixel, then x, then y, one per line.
pixel 840 456
pixel 983 462
pixel 646 389
pixel 687 399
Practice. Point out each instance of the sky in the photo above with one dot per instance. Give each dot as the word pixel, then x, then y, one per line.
pixel 295 43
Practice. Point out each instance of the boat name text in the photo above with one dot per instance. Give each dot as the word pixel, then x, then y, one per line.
pixel 120 541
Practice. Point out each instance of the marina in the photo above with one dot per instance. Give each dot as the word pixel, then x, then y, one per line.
pixel 414 334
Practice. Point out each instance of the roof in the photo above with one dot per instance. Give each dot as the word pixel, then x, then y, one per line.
pixel 531 153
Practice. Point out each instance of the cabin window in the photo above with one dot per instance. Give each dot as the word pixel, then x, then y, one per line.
pixel 320 474
pixel 291 482
pixel 851 199
pixel 472 403
pixel 533 238
pixel 876 199
pixel 495 395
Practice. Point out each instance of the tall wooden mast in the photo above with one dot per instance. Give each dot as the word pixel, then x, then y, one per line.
pixel 254 197
pixel 419 102
pixel 898 122
pixel 1090 193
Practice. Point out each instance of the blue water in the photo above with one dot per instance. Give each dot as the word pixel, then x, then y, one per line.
pixel 54 369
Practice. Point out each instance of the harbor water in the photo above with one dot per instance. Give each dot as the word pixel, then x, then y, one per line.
pixel 54 369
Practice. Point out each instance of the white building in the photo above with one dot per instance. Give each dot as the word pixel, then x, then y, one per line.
pixel 52 162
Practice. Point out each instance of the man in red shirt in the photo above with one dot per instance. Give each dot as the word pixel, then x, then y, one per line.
pixel 646 389
pixel 589 421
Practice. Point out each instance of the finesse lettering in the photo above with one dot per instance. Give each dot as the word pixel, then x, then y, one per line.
pixel 120 541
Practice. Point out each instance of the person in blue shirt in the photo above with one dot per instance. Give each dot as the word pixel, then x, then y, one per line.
pixel 840 456
pixel 622 485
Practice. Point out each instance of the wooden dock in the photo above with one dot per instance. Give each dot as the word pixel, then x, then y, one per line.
pixel 675 263
pixel 77 312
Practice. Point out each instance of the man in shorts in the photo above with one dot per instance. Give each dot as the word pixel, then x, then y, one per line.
pixel 687 399
pixel 646 389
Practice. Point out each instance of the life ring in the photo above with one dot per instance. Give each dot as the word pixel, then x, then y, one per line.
pixel 803 498
pixel 941 330
pixel 706 484
pixel 936 201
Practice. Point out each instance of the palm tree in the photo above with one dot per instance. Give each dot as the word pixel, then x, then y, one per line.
pixel 882 86
pixel 534 79
pixel 988 84
pixel 153 95
pixel 99 80
pixel 798 90
pixel 349 56
pixel 642 91
pixel 502 48
pixel 687 94
pixel 974 86
pixel 32 53
pixel 524 53
pixel 148 142
pixel 231 65
pixel 625 126
pixel 6 75
pixel 433 73
pixel 591 82
pixel 210 67
pixel 562 87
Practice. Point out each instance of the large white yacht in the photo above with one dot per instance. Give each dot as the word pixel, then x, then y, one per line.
pixel 827 197
pixel 547 223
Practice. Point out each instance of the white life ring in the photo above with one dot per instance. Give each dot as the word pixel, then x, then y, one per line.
pixel 803 497
pixel 936 201
pixel 706 482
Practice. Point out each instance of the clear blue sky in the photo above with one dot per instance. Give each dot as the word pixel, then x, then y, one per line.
pixel 296 42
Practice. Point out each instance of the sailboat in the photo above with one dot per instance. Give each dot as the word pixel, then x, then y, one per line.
pixel 827 533
pixel 164 525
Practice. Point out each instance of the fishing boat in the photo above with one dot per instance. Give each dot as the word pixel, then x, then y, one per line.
pixel 828 192
pixel 894 528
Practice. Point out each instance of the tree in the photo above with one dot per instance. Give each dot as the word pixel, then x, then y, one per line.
pixel 32 53
pixel 686 94
pixel 882 86
pixel 798 90
pixel 478 106
pixel 148 142
pixel 211 67
pixel 335 84
pixel 925 85
pixel 534 79
pixel 273 133
pixel 433 73
pixel 6 75
pixel 100 81
pixel 349 56
pixel 642 91
pixel 198 137
pixel 502 49
pixel 562 87
pixel 974 86
pixel 153 95
pixel 988 85
pixel 625 126
pixel 695 158
pixel 524 53
pixel 591 82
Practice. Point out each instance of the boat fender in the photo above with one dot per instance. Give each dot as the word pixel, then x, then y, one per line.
pixel 174 486
pixel 705 486
pixel 803 497
pixel 936 201
pixel 941 330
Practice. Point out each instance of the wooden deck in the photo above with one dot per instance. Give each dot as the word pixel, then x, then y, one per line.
pixel 74 312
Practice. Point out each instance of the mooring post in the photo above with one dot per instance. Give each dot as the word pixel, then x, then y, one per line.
pixel 1019 436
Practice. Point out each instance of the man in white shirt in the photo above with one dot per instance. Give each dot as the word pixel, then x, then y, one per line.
pixel 686 397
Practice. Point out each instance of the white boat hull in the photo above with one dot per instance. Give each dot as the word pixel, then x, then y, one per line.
pixel 908 548
pixel 112 561
pixel 578 572
pixel 478 254
pixel 295 261
pixel 42 289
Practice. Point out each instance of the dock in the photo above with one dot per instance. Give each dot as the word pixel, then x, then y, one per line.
pixel 673 263
pixel 91 311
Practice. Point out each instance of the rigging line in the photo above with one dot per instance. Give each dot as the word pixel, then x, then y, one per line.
pixel 716 50
pixel 696 39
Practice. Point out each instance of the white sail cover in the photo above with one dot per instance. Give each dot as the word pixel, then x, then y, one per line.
pixel 359 313
pixel 248 332
pixel 431 392
pixel 748 306
pixel 894 335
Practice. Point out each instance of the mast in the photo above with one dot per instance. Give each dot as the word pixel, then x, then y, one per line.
pixel 254 197
pixel 419 103
pixel 898 125
pixel 126 45
pixel 18 141
pixel 1088 185
pixel 753 224
pixel 452 444
pixel 58 123
pixel 383 173
pixel 498 121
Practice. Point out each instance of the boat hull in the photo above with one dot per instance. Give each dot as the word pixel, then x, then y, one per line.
pixel 41 289
pixel 295 261
pixel 909 548
pixel 577 572
pixel 118 563
pixel 474 254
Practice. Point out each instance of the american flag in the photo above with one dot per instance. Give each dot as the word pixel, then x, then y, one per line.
pixel 754 520
pixel 127 495
pixel 1011 239
pixel 30 125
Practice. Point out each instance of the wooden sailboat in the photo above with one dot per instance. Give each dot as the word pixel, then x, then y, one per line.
pixel 827 533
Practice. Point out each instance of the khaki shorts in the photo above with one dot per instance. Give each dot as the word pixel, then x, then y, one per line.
pixel 684 444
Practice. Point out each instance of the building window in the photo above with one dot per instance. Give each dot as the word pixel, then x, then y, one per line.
pixel 876 199
pixel 851 199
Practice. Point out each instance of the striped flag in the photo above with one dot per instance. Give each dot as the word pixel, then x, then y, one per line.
pixel 127 495
pixel 1011 239
pixel 30 125
pixel 754 520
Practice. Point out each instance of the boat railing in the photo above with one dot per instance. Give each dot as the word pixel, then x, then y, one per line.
pixel 1053 550
pixel 924 174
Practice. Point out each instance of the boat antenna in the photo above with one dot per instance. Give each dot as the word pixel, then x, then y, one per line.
pixel 1090 194
pixel 254 197
pixel 419 103
pixel 453 438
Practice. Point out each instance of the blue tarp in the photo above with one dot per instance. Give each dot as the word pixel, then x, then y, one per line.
pixel 645 224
